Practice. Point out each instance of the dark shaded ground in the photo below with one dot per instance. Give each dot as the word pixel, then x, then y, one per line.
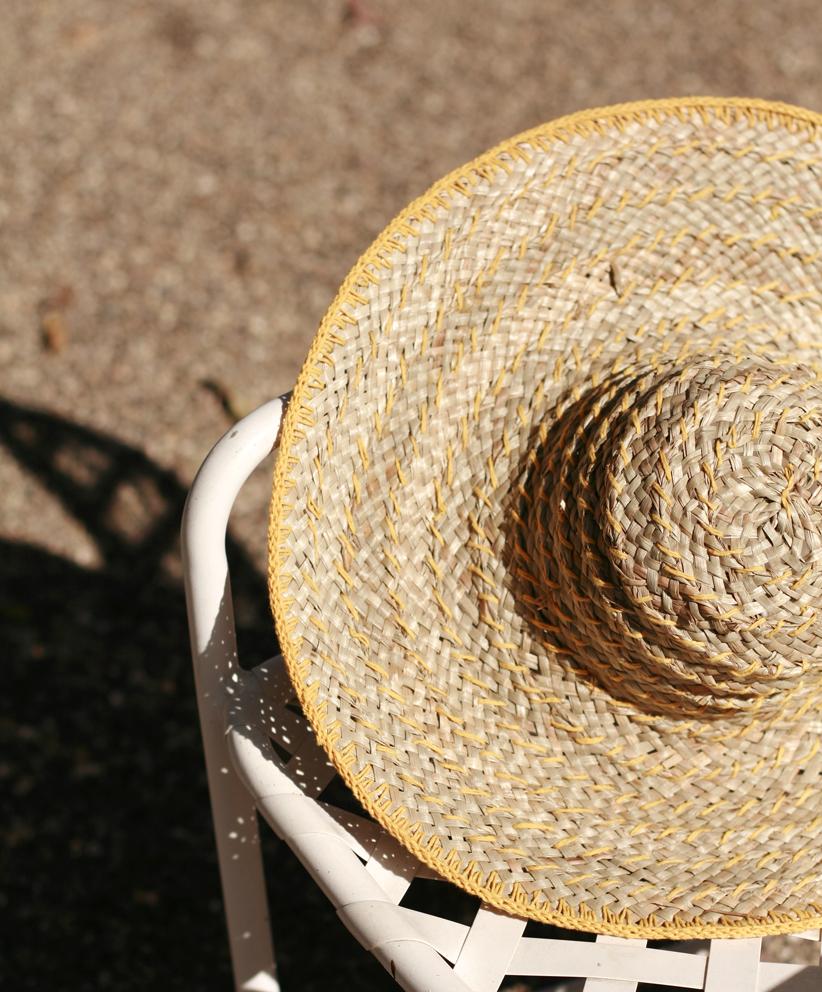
pixel 110 876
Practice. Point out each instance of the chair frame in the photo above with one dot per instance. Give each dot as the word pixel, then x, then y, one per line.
pixel 361 869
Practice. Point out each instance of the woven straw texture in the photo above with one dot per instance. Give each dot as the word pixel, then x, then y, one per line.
pixel 546 534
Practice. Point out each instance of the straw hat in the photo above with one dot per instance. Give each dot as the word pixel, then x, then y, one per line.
pixel 546 534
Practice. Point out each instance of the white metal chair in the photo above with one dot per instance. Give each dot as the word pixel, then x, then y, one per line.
pixel 262 758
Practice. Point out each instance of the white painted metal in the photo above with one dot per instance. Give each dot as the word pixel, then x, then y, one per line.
pixel 489 948
pixel 214 651
pixel 612 984
pixel 392 867
pixel 628 961
pixel 733 965
pixel 360 868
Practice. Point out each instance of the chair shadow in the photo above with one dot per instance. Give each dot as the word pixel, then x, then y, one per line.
pixel 107 860
pixel 109 868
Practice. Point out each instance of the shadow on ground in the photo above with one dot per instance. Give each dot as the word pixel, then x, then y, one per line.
pixel 110 876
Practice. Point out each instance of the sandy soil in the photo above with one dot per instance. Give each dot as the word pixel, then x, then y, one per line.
pixel 183 185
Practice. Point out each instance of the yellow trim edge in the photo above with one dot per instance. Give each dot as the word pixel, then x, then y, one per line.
pixel 377 255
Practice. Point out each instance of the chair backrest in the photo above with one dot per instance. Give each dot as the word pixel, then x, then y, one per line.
pixel 396 907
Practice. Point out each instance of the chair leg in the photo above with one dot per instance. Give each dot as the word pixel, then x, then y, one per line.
pixel 216 674
pixel 241 874
pixel 233 811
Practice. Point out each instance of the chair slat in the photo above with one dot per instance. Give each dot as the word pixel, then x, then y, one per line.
pixel 364 834
pixel 273 682
pixel 489 949
pixel 626 962
pixel 291 816
pixel 445 936
pixel 416 967
pixel 310 768
pixel 388 932
pixel 392 867
pixel 612 984
pixel 733 965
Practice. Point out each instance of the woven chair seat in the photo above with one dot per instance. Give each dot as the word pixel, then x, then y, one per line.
pixel 368 876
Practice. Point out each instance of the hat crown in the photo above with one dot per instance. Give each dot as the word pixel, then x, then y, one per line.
pixel 674 534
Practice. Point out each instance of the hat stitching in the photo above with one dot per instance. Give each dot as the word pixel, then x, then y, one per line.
pixel 517 895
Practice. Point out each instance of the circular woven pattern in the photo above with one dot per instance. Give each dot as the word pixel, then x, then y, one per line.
pixel 672 536
pixel 546 532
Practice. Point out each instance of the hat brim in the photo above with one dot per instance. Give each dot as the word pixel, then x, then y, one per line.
pixel 453 343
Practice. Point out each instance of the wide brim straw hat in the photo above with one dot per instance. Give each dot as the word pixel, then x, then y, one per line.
pixel 546 532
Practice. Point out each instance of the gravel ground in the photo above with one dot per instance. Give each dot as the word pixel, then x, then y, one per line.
pixel 182 187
